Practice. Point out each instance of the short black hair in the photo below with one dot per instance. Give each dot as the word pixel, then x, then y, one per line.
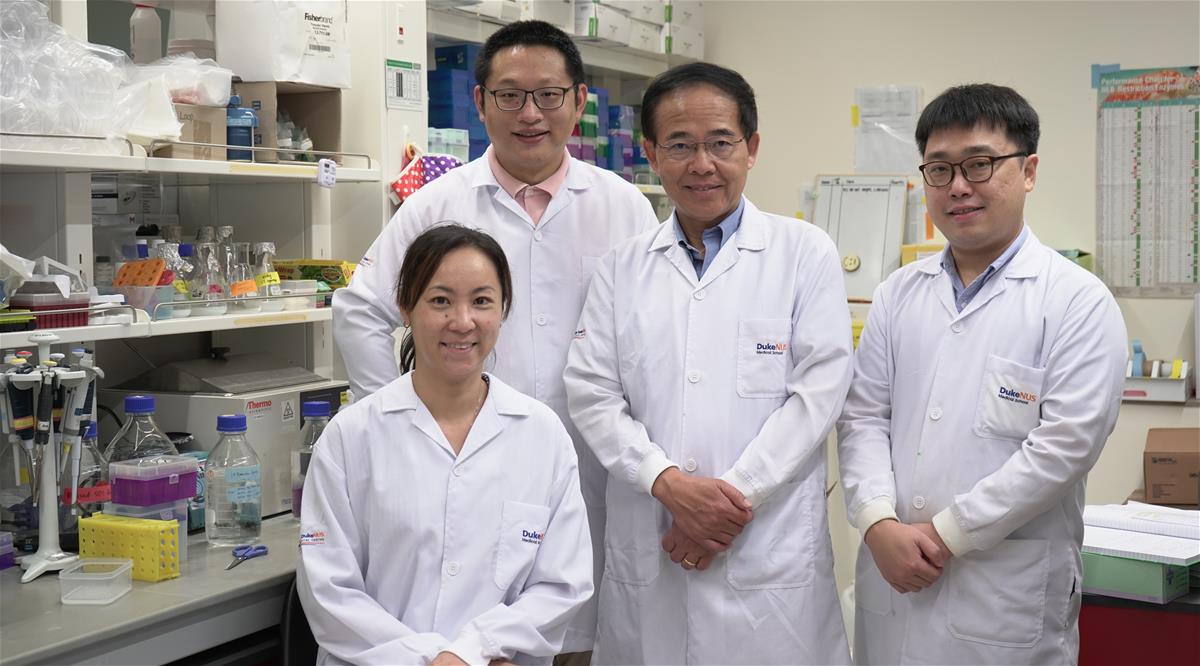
pixel 694 74
pixel 529 33
pixel 966 106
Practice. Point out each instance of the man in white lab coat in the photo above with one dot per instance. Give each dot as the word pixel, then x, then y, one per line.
pixel 553 215
pixel 710 362
pixel 986 382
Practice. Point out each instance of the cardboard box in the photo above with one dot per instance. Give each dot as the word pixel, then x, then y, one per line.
pixel 125 193
pixel 202 124
pixel 316 109
pixel 650 11
pixel 559 13
pixel 332 272
pixel 1126 578
pixel 601 22
pixel 1172 466
pixel 299 41
pixel 686 41
pixel 644 36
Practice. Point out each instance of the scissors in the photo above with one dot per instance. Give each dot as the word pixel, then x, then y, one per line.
pixel 243 553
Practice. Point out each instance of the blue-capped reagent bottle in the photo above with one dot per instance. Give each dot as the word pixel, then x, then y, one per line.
pixel 233 486
pixel 239 123
pixel 140 436
pixel 316 417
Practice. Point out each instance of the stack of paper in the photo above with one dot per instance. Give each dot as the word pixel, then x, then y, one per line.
pixel 1143 532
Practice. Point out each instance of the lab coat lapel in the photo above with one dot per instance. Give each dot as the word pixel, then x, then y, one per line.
pixel 577 178
pixel 1022 266
pixel 749 237
pixel 665 242
pixel 943 288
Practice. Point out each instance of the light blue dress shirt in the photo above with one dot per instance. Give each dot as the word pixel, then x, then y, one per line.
pixel 963 295
pixel 714 239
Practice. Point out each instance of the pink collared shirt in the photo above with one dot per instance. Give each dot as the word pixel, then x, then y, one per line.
pixel 533 198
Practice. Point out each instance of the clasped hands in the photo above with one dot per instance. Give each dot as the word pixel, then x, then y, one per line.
pixel 707 515
pixel 909 557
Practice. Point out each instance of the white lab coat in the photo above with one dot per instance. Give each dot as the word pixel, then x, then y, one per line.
pixel 551 265
pixel 928 435
pixel 407 550
pixel 739 375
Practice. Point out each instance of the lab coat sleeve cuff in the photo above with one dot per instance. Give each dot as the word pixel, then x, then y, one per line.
pixel 955 537
pixel 652 466
pixel 743 485
pixel 873 512
pixel 469 647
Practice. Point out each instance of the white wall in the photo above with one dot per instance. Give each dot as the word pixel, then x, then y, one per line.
pixel 805 59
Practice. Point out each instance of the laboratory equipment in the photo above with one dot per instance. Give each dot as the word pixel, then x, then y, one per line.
pixel 233 480
pixel 207 282
pixel 96 581
pixel 241 279
pixel 140 436
pixel 265 277
pixel 182 283
pixel 153 545
pixel 243 553
pixel 240 123
pixel 316 417
pixel 145 34
pixel 151 481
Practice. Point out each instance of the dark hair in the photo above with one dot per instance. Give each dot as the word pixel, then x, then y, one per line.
pixel 424 257
pixel 529 33
pixel 996 107
pixel 700 73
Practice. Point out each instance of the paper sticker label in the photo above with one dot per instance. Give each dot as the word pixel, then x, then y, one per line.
pixel 243 493
pixel 243 474
pixel 242 288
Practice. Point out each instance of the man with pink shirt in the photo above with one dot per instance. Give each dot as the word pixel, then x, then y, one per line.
pixel 553 215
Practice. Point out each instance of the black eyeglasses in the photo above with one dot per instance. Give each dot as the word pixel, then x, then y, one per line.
pixel 513 99
pixel 719 149
pixel 976 169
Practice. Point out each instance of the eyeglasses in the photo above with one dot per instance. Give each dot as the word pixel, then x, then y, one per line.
pixel 513 99
pixel 976 169
pixel 719 149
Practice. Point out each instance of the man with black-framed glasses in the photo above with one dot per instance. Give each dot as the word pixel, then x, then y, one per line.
pixel 986 382
pixel 554 216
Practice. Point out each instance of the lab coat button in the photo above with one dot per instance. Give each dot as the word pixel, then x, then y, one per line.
pixel 541 320
pixel 935 413
pixel 537 236
pixel 699 295
pixel 458 471
pixel 694 377
pixel 957 327
pixel 918 502
pixel 690 465
pixel 452 568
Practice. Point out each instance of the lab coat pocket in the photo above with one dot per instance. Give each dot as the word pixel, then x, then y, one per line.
pixel 1009 399
pixel 998 596
pixel 776 550
pixel 763 357
pixel 522 527
pixel 631 537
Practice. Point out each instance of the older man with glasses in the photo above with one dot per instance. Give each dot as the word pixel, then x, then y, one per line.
pixel 709 364
pixel 985 385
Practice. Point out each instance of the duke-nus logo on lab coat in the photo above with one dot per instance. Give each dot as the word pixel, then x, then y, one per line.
pixel 1019 397
pixel 532 536
pixel 770 348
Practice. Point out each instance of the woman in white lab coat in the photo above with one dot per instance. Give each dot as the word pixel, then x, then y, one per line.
pixel 442 520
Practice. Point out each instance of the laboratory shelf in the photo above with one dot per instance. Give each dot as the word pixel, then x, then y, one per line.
pixel 33 161
pixel 144 328
pixel 446 26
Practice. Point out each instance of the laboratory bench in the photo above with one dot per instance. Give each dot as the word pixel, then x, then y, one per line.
pixel 154 623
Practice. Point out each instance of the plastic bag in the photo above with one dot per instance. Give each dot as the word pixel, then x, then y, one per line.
pixel 147 105
pixel 191 80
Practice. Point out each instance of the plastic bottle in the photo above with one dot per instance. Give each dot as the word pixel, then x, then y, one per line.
pixel 316 417
pixel 183 290
pixel 239 123
pixel 140 437
pixel 233 486
pixel 93 473
pixel 145 34
pixel 207 282
pixel 241 279
pixel 266 280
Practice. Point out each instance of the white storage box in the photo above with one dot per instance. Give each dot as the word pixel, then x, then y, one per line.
pixel 559 13
pixel 95 581
pixel 649 11
pixel 506 11
pixel 601 22
pixel 684 41
pixel 685 13
pixel 645 36
pixel 298 41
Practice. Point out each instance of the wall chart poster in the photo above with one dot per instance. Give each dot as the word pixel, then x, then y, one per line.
pixel 1148 182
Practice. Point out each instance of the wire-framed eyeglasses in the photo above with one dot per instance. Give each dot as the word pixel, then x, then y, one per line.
pixel 720 149
pixel 976 169
pixel 513 99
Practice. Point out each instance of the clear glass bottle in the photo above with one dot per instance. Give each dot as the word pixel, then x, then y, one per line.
pixel 316 417
pixel 241 279
pixel 207 282
pixel 225 248
pixel 266 280
pixel 233 486
pixel 93 490
pixel 183 289
pixel 140 437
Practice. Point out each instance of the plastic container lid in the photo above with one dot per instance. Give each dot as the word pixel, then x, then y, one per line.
pixel 92 432
pixel 139 404
pixel 185 249
pixel 314 408
pixel 152 468
pixel 231 423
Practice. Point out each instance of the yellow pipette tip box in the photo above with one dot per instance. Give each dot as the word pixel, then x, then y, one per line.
pixel 153 545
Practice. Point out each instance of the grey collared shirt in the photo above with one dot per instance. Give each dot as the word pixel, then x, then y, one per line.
pixel 714 239
pixel 964 295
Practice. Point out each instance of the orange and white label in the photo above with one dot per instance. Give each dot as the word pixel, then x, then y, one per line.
pixel 243 288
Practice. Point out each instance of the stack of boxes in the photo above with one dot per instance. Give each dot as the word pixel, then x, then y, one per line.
pixel 656 26
pixel 620 140
pixel 683 30
pixel 451 95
